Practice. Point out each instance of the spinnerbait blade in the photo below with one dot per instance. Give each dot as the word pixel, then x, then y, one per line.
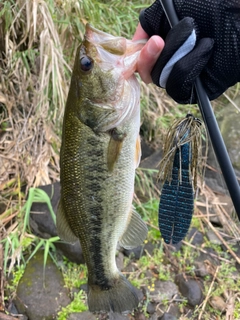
pixel 179 170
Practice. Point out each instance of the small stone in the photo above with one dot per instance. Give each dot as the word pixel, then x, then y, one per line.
pixel 174 310
pixel 4 316
pixel 213 238
pixel 152 161
pixel 131 267
pixel 151 307
pixel 149 247
pixel 195 236
pixel 139 294
pixel 82 316
pixel 210 255
pixel 116 316
pixel 167 316
pixel 162 290
pixel 218 303
pixel 84 287
pixel 13 310
pixel 134 253
pixel 200 269
pixel 120 261
pixel 190 289
pixel 139 316
pixel 173 247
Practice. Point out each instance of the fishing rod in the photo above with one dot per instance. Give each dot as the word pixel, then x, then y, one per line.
pixel 211 124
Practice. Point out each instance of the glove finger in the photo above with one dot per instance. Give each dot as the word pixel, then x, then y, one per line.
pixel 180 41
pixel 152 18
pixel 185 71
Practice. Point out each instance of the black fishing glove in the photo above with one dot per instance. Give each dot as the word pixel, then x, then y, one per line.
pixel 215 25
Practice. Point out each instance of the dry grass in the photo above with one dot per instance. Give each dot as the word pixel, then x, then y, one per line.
pixel 32 96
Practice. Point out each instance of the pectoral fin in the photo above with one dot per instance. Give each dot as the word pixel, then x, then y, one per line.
pixel 138 152
pixel 63 228
pixel 135 233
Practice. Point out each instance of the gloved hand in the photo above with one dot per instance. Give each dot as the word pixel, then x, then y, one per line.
pixel 210 30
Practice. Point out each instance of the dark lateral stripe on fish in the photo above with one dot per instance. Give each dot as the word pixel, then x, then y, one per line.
pixel 95 247
pixel 94 184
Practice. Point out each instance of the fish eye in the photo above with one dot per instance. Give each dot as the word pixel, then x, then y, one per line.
pixel 86 63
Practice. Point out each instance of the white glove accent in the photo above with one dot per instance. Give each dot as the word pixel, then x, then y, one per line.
pixel 187 46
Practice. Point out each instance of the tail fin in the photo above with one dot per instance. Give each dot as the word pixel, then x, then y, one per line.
pixel 122 296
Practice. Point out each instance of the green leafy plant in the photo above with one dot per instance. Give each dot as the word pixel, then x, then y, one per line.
pixel 77 305
pixel 21 239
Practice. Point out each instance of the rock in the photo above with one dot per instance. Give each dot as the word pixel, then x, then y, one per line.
pixel 137 252
pixel 116 316
pixel 84 287
pixel 82 316
pixel 139 294
pixel 152 161
pixel 176 247
pixel 218 303
pixel 149 247
pixel 139 316
pixel 72 251
pixel 41 221
pixel 134 253
pixel 147 149
pixel 12 310
pixel 4 316
pixel 213 238
pixel 174 310
pixel 40 295
pixel 42 224
pixel 200 269
pixel 190 289
pixel 208 255
pixel 229 126
pixel 167 316
pixel 120 260
pixel 131 267
pixel 163 290
pixel 151 307
pixel 154 317
pixel 226 202
pixel 195 236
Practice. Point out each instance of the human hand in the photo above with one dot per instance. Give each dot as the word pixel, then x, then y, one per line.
pixel 149 53
pixel 215 55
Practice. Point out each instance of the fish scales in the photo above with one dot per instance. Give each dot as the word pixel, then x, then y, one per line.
pixel 99 153
pixel 103 190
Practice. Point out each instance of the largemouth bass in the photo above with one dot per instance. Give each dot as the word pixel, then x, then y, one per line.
pixel 99 154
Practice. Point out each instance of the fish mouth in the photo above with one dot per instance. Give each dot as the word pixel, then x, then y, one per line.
pixel 112 44
pixel 117 51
